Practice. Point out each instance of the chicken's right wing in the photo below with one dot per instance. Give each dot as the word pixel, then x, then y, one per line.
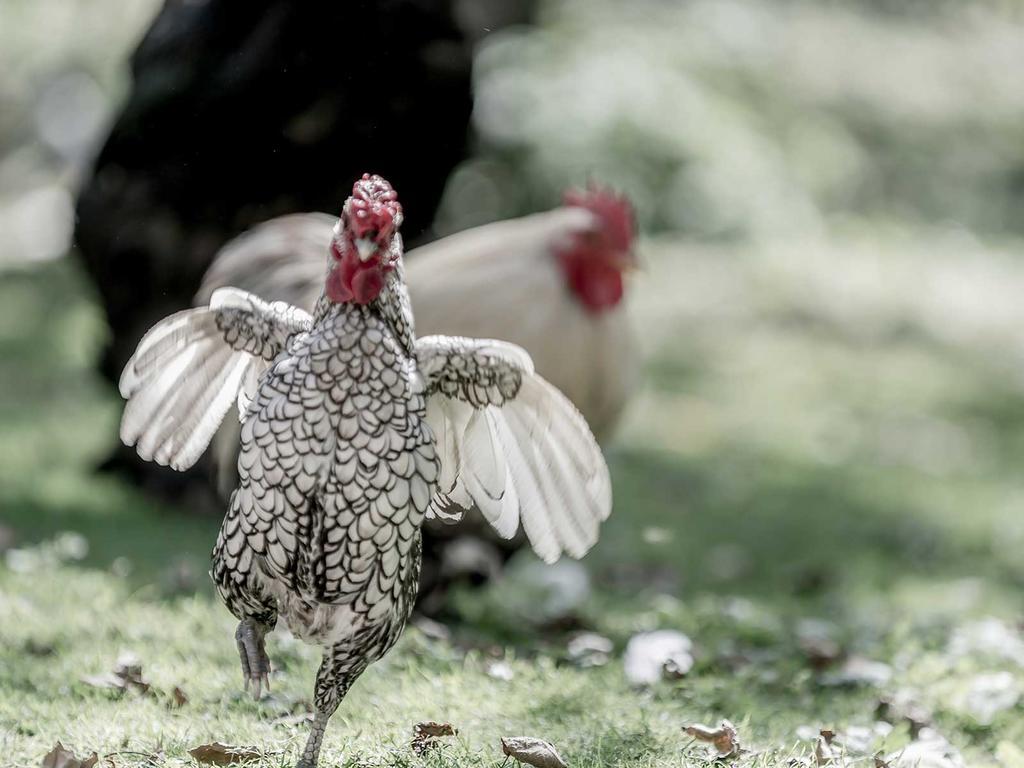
pixel 191 366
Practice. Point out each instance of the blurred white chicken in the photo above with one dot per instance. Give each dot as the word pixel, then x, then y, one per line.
pixel 551 282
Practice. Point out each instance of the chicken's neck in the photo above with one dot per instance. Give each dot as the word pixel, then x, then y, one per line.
pixel 392 305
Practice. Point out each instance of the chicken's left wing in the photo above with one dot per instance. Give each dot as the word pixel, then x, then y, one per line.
pixel 191 366
pixel 513 445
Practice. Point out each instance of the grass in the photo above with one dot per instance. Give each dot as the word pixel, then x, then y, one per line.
pixel 799 453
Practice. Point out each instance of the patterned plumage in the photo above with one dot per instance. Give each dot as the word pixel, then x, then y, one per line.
pixel 475 283
pixel 353 432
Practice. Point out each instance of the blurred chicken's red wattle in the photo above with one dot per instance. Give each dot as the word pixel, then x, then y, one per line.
pixel 353 280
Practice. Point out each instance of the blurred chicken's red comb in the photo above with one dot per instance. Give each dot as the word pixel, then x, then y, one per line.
pixel 373 206
pixel 614 210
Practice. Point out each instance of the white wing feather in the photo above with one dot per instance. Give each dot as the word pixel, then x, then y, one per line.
pixel 531 462
pixel 183 379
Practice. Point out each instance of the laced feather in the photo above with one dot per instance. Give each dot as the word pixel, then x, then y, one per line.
pixel 531 462
pixel 184 378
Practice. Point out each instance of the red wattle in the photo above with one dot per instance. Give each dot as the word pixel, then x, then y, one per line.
pixel 366 284
pixel 595 281
pixel 353 280
pixel 337 289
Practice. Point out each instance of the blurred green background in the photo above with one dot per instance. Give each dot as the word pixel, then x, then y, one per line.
pixel 832 424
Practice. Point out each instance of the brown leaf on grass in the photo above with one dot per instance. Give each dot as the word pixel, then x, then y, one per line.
pixel 725 738
pixel 224 754
pixel 532 751
pixel 427 735
pixel 59 757
pixel 880 761
pixel 824 754
pixel 178 698
pixel 127 675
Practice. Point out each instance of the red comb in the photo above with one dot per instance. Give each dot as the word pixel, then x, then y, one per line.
pixel 373 206
pixel 614 210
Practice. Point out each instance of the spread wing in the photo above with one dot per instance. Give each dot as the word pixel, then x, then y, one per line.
pixel 513 445
pixel 191 366
pixel 284 259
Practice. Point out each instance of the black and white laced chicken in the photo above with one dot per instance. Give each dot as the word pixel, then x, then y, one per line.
pixel 354 431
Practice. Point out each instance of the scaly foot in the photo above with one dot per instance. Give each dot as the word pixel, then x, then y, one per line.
pixel 253 653
pixel 311 752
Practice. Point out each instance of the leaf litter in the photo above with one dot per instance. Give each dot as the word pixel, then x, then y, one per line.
pixel 724 739
pixel 61 757
pixel 216 753
pixel 178 698
pixel 126 676
pixel 428 735
pixel 532 751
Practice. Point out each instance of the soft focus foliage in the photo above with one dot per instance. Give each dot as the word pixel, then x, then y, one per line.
pixel 62 70
pixel 754 118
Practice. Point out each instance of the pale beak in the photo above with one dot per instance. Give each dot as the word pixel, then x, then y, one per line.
pixel 366 248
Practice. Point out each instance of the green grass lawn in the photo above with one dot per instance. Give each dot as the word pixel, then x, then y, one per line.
pixel 818 449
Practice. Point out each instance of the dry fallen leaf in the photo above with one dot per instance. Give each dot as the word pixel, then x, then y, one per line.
pixel 224 754
pixel 178 698
pixel 127 675
pixel 59 757
pixel 880 761
pixel 823 752
pixel 532 751
pixel 427 735
pixel 725 738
